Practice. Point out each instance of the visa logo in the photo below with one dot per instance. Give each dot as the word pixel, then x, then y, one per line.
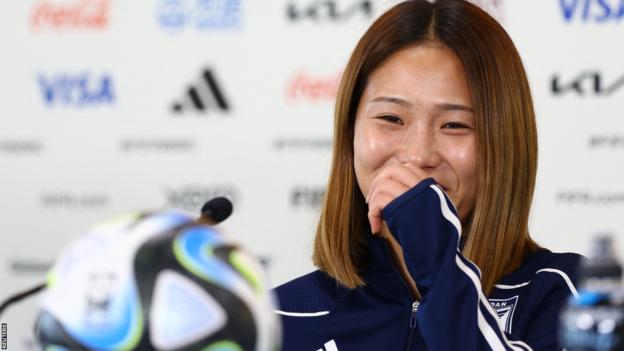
pixel 76 90
pixel 592 10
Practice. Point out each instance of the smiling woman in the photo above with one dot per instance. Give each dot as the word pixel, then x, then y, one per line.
pixel 423 239
pixel 414 121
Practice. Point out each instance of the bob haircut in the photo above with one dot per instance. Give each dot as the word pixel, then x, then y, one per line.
pixel 495 233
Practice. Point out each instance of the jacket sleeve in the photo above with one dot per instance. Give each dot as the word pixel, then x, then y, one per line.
pixel 454 313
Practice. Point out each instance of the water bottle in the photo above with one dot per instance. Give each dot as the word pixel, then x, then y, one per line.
pixel 594 321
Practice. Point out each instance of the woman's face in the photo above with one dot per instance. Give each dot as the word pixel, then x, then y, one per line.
pixel 416 108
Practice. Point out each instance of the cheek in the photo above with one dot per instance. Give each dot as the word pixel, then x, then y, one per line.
pixel 466 161
pixel 370 152
pixel 465 166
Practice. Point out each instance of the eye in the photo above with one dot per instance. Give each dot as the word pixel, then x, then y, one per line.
pixel 454 125
pixel 391 119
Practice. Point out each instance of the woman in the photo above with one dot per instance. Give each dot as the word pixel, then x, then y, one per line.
pixel 432 176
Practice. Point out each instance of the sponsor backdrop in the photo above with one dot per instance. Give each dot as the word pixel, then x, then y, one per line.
pixel 113 106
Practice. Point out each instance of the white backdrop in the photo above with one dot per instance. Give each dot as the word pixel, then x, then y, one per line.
pixel 88 127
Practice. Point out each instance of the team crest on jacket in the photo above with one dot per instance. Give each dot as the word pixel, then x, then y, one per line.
pixel 505 309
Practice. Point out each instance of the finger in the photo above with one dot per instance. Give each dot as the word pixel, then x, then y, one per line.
pixel 374 211
pixel 374 223
pixel 409 176
pixel 415 169
pixel 389 188
pixel 385 175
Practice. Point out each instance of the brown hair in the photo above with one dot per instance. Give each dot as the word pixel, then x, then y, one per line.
pixel 496 232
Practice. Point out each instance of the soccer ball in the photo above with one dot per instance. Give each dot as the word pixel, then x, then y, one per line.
pixel 157 281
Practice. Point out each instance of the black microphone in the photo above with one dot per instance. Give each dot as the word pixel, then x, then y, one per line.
pixel 216 210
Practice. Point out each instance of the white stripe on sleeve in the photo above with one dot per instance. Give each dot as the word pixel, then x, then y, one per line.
pixel 486 329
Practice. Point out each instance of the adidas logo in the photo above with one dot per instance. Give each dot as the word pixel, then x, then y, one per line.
pixel 329 346
pixel 204 95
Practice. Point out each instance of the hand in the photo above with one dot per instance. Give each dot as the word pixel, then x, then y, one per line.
pixel 392 181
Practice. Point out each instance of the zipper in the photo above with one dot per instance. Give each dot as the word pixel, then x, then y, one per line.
pixel 412 325
pixel 398 263
pixel 415 306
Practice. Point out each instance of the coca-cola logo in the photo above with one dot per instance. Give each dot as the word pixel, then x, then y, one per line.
pixel 91 14
pixel 305 87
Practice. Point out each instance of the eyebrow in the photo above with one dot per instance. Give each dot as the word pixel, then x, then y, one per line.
pixel 453 107
pixel 393 100
pixel 442 106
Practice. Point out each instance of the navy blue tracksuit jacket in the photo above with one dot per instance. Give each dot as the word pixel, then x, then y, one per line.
pixel 521 313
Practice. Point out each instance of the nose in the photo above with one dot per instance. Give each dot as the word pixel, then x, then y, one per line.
pixel 419 146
